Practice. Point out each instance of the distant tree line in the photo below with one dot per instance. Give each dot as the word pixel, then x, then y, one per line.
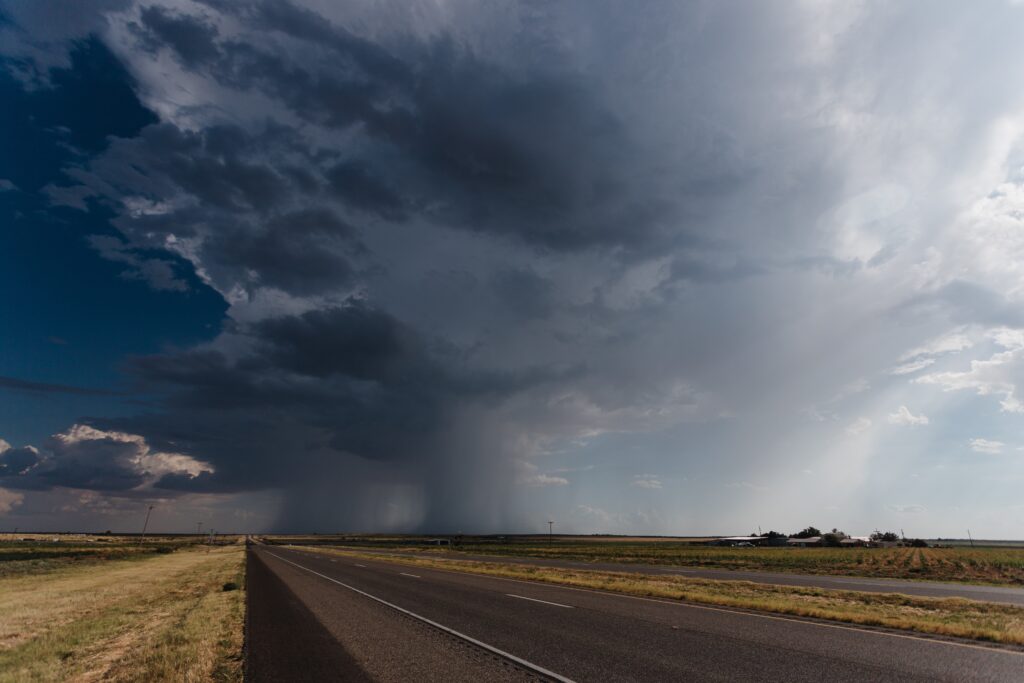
pixel 834 538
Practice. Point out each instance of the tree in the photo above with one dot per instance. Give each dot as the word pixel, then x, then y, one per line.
pixel 809 532
pixel 833 538
pixel 885 536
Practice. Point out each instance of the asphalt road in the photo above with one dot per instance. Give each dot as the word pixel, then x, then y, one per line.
pixel 930 589
pixel 522 630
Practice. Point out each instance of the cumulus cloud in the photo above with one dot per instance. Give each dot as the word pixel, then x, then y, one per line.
pixel 988 446
pixel 84 457
pixel 904 418
pixel 995 376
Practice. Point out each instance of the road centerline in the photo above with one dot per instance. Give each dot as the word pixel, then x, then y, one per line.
pixel 415 576
pixel 546 602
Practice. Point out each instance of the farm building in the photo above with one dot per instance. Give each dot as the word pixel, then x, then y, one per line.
pixel 743 541
pixel 811 542
pixel 856 542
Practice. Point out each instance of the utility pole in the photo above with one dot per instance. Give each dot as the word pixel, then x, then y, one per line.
pixel 199 528
pixel 551 538
pixel 969 538
pixel 145 525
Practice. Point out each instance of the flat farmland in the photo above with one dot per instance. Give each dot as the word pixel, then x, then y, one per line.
pixel 989 565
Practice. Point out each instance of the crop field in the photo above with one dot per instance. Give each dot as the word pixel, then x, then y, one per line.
pixel 165 609
pixel 997 565
pixel 1003 566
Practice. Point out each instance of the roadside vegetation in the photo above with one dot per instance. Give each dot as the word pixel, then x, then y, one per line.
pixel 39 553
pixel 173 611
pixel 948 617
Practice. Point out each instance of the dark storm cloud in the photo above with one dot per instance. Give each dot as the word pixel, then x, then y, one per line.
pixel 353 340
pixel 305 251
pixel 456 245
pixel 16 384
pixel 260 219
pixel 191 39
pixel 523 293
pixel 321 395
pixel 16 462
pixel 358 186
pixel 537 158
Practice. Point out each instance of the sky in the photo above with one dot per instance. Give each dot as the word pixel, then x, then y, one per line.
pixel 445 266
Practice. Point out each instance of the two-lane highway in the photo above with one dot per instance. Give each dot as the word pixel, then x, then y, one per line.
pixel 581 635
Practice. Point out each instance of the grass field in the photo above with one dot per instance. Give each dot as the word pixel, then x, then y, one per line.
pixel 950 617
pixel 1000 566
pixel 122 613
pixel 47 552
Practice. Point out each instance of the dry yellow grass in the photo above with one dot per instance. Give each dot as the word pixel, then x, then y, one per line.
pixel 951 617
pixel 983 565
pixel 164 618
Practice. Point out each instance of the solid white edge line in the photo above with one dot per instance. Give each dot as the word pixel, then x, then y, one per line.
pixel 523 597
pixel 740 612
pixel 451 631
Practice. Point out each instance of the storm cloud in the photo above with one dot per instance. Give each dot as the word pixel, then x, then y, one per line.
pixel 645 269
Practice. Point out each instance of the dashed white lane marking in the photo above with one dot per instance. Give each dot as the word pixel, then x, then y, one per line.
pixel 523 597
pixel 479 643
pixel 754 615
pixel 361 565
pixel 415 576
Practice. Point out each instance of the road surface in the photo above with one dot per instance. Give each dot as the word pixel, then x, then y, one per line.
pixel 929 589
pixel 318 617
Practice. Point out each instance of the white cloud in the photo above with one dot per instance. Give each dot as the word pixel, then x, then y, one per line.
pixel 646 481
pixel 4 446
pixel 530 476
pixel 912 366
pixel 995 376
pixel 9 500
pixel 858 426
pixel 905 418
pixel 951 342
pixel 986 446
pixel 144 459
